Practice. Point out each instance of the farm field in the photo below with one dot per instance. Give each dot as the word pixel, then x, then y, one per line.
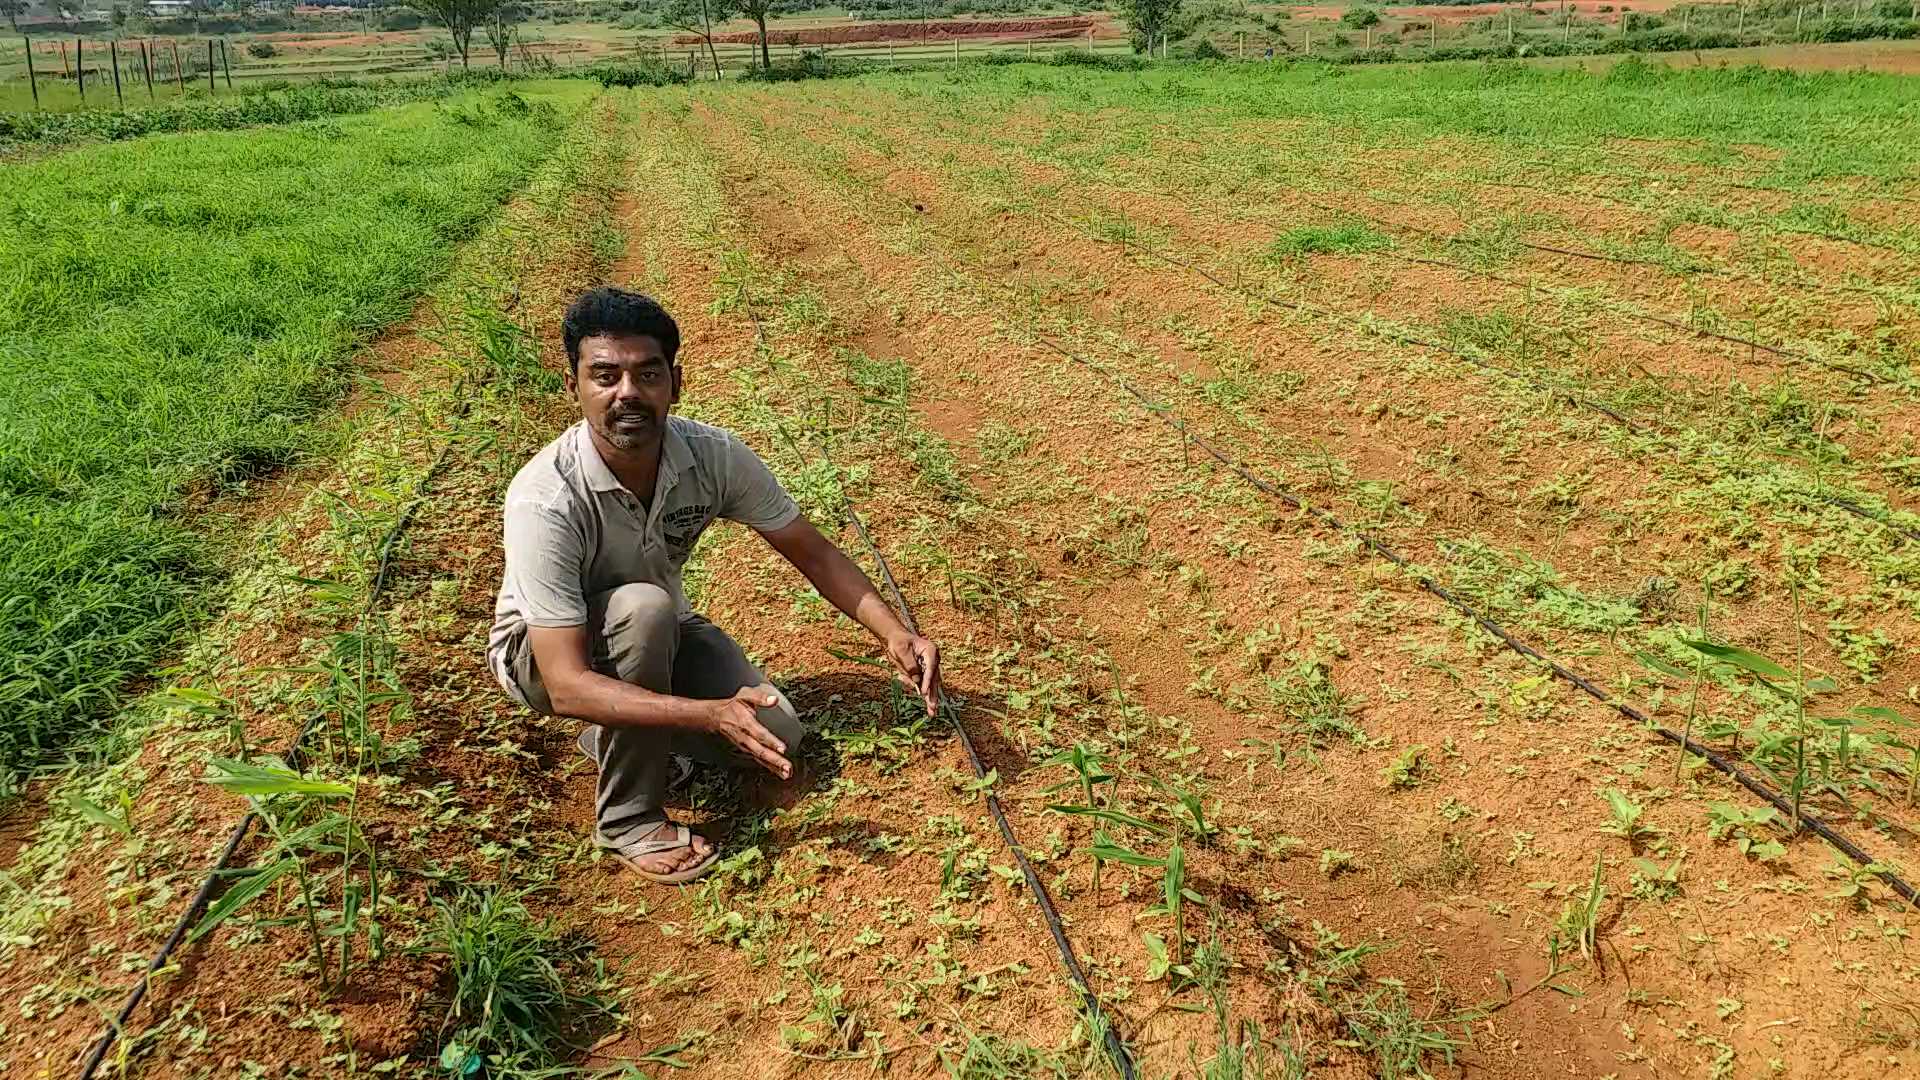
pixel 1251 439
pixel 171 311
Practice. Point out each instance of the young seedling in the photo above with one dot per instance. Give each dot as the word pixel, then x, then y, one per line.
pixel 1190 812
pixel 1579 922
pixel 1407 769
pixel 1748 829
pixel 1626 817
pixel 1794 686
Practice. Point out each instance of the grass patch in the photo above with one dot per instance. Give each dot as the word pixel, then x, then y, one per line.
pixel 1350 239
pixel 519 991
pixel 176 308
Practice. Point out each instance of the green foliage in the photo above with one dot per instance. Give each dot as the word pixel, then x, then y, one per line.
pixel 160 334
pixel 519 991
pixel 283 105
pixel 1626 815
pixel 1348 239
pixel 1148 21
pixel 1747 828
pixel 631 73
pixel 1359 18
pixel 1407 769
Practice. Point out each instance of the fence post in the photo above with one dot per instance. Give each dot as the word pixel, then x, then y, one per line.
pixel 209 67
pixel 179 69
pixel 1509 28
pixel 64 72
pixel 33 77
pixel 225 64
pixel 1090 34
pixel 889 52
pixel 956 50
pixel 1509 33
pixel 1309 41
pixel 80 67
pixel 1433 33
pixel 113 51
pixel 146 69
pixel 1742 27
pixel 1243 44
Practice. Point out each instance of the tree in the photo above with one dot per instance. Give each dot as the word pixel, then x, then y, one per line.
pixel 758 10
pixel 1147 20
pixel 500 28
pixel 14 9
pixel 698 17
pixel 460 17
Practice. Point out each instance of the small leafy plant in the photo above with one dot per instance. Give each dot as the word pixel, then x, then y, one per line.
pixel 1747 829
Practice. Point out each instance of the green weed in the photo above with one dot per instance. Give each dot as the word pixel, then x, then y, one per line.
pixel 519 991
pixel 1351 238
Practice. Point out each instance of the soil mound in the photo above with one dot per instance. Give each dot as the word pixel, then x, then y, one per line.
pixel 906 31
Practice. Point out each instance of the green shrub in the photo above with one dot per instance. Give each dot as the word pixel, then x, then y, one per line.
pixel 261 50
pixel 628 73
pixel 1360 18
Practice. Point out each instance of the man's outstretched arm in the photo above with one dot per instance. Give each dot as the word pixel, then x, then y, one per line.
pixel 846 587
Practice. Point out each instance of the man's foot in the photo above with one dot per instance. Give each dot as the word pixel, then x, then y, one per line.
pixel 669 853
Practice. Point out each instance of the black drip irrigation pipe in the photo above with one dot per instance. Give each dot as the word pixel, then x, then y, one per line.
pixel 1378 548
pixel 1116 1047
pixel 1636 426
pixel 293 758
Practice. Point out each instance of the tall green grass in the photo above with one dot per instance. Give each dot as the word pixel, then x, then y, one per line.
pixel 171 311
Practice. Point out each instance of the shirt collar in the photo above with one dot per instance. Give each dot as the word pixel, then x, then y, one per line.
pixel 675 458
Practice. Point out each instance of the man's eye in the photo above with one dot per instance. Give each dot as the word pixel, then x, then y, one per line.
pixel 606 378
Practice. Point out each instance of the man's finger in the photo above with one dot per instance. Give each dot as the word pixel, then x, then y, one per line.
pixel 760 734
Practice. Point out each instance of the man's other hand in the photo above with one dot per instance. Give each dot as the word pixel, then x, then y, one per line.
pixel 919 662
pixel 737 719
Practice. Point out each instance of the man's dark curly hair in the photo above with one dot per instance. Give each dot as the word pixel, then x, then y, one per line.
pixel 611 309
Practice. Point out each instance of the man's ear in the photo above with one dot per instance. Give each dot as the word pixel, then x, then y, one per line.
pixel 567 381
pixel 676 382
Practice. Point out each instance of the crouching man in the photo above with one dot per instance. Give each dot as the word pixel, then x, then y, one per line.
pixel 591 622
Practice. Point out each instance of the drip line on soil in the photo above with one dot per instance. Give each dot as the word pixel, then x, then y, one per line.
pixel 1115 1046
pixel 293 757
pixel 1638 427
pixel 1378 548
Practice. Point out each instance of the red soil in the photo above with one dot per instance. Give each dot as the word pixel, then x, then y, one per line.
pixel 907 31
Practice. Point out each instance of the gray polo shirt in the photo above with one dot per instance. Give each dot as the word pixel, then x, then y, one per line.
pixel 573 530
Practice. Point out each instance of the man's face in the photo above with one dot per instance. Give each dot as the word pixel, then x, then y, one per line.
pixel 625 386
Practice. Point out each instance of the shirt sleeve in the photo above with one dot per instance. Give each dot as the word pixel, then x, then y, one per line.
pixel 754 498
pixel 546 561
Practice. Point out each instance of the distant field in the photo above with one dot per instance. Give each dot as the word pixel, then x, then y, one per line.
pixel 171 310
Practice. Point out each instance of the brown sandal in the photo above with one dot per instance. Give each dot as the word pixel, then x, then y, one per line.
pixel 629 855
